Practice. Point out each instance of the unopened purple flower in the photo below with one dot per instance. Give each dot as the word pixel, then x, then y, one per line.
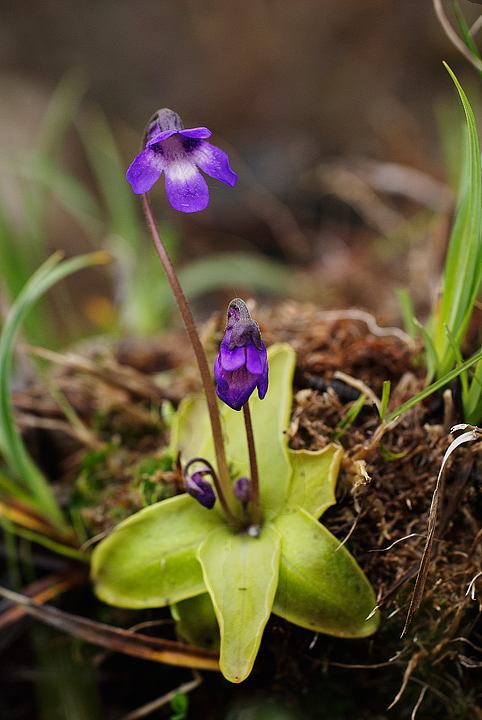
pixel 197 486
pixel 242 490
pixel 201 490
pixel 179 153
pixel 241 364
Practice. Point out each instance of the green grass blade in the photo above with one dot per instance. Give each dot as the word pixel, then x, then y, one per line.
pixel 459 360
pixel 67 190
pixel 59 548
pixel 110 171
pixel 473 398
pixel 385 398
pixel 18 260
pixel 236 270
pixel 431 358
pixel 468 39
pixel 54 124
pixel 11 444
pixel 142 309
pixel 62 108
pixel 463 267
pixel 408 311
pixel 437 385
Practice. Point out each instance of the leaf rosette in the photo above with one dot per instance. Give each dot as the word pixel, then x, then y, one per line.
pixel 178 553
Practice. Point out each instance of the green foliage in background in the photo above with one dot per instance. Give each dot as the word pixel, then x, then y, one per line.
pixel 23 479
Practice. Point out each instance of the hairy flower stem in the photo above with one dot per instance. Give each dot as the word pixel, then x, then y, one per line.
pixel 222 481
pixel 253 466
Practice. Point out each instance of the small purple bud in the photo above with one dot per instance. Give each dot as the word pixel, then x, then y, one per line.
pixel 242 490
pixel 242 363
pixel 199 488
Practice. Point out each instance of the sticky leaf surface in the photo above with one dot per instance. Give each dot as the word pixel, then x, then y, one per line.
pixel 149 560
pixel 321 587
pixel 241 574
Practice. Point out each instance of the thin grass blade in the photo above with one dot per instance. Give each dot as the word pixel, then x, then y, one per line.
pixel 26 472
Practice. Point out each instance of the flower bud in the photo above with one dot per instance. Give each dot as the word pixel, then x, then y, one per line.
pixel 199 488
pixel 242 490
pixel 242 363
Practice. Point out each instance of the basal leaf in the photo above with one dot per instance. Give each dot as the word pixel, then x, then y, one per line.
pixel 314 479
pixel 191 431
pixel 196 621
pixel 321 587
pixel 149 560
pixel 241 574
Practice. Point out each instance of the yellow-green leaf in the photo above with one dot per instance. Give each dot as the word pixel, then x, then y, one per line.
pixel 241 574
pixel 314 479
pixel 191 430
pixel 149 560
pixel 196 621
pixel 320 586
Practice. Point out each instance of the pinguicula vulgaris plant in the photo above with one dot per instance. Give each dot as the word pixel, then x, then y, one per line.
pixel 244 540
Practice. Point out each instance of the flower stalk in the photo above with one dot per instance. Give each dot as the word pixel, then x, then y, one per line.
pixel 253 466
pixel 222 479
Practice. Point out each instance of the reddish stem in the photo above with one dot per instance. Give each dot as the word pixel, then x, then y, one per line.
pixel 253 465
pixel 222 480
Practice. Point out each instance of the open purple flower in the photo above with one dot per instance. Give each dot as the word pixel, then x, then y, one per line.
pixel 179 153
pixel 241 364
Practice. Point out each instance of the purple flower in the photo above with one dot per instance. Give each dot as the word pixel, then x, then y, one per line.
pixel 241 364
pixel 242 490
pixel 195 484
pixel 179 153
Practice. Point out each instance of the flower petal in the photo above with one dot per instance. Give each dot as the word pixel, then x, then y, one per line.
pixel 218 372
pixel 157 139
pixel 200 489
pixel 222 388
pixel 263 383
pixel 214 162
pixel 201 133
pixel 187 190
pixel 239 390
pixel 233 388
pixel 232 359
pixel 144 171
pixel 254 360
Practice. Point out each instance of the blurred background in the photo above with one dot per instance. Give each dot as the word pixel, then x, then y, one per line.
pixel 338 117
pixel 345 131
